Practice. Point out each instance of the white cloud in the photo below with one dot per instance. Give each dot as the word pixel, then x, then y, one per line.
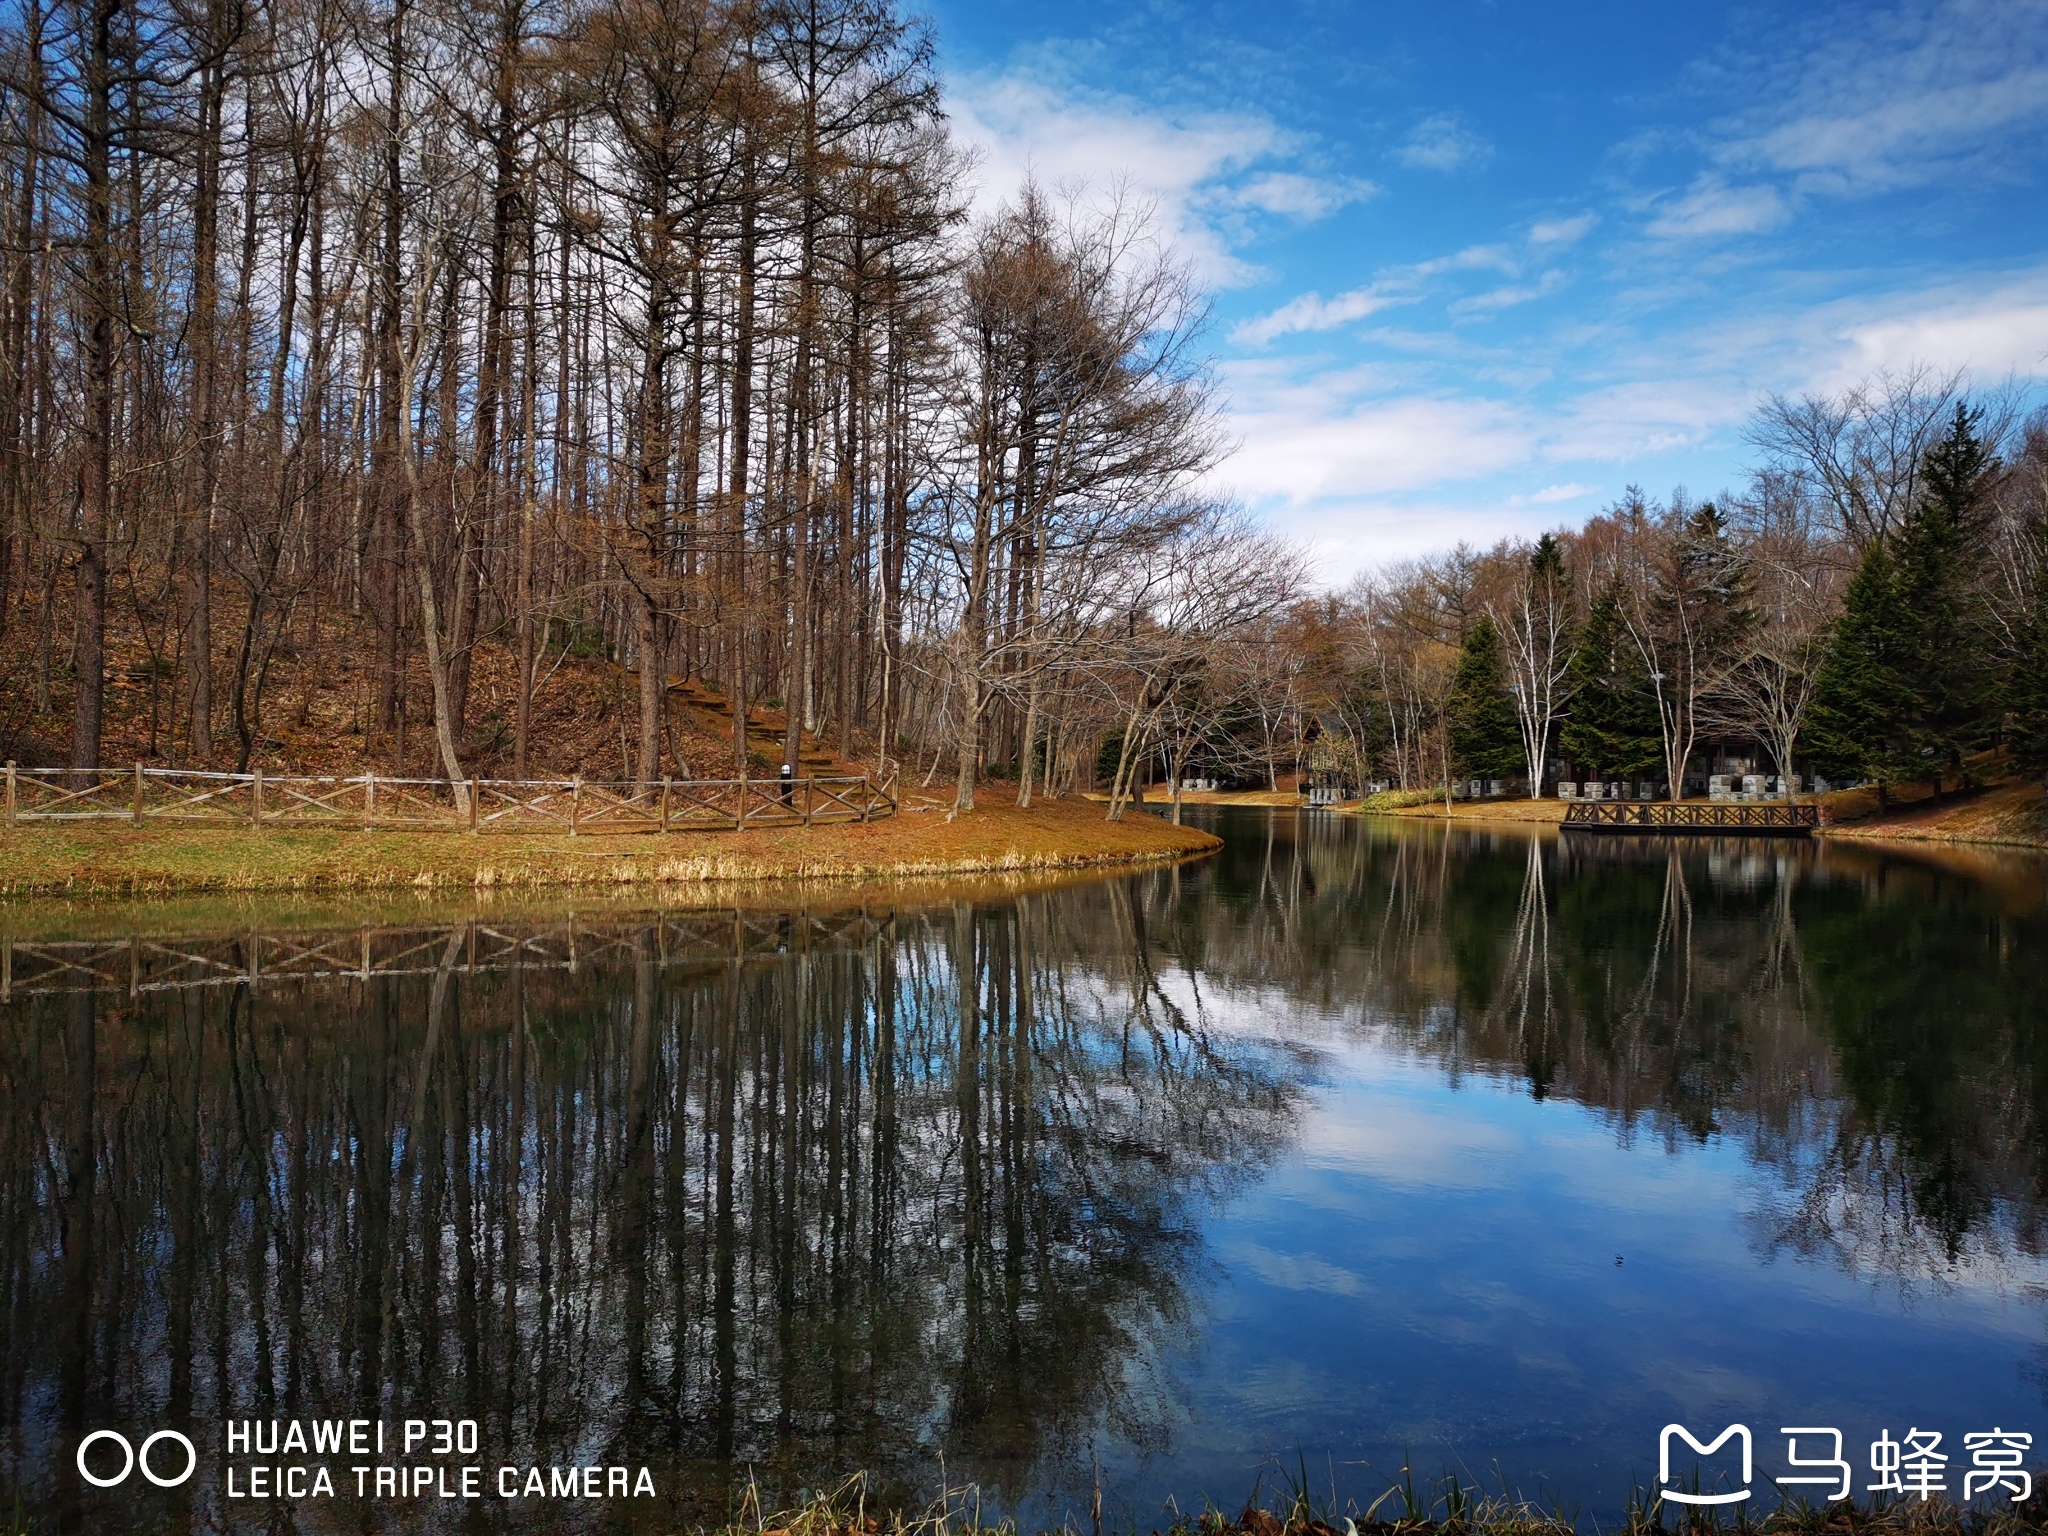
pixel 1025 128
pixel 1396 285
pixel 1315 435
pixel 1294 195
pixel 1985 331
pixel 1345 537
pixel 1473 258
pixel 1480 305
pixel 1365 464
pixel 1312 312
pixel 1897 97
pixel 1205 175
pixel 1562 231
pixel 1442 143
pixel 1670 400
pixel 1711 208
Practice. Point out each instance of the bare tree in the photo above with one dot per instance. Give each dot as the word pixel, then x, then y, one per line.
pixel 1689 614
pixel 1535 628
pixel 1767 689
pixel 1217 584
pixel 1853 461
pixel 1079 414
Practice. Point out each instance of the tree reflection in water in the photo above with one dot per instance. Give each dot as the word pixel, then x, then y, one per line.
pixel 857 1203
pixel 1868 1027
pixel 867 1193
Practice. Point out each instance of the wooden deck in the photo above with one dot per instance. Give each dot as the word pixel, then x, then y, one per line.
pixel 1693 818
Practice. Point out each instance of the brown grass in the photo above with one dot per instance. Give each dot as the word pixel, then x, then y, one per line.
pixel 113 859
pixel 2012 814
pixel 1542 812
pixel 1283 799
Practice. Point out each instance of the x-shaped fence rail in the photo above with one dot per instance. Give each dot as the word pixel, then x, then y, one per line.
pixel 575 805
pixel 1761 818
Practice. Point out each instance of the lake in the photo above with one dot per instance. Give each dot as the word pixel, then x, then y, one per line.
pixel 1361 1144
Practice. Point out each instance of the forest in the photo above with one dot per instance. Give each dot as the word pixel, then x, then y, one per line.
pixel 1869 606
pixel 514 387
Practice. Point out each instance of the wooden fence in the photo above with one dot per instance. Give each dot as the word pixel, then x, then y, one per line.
pixel 575 806
pixel 1726 818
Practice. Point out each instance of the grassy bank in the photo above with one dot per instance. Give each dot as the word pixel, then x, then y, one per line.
pixel 2013 814
pixel 1426 807
pixel 115 859
pixel 2009 815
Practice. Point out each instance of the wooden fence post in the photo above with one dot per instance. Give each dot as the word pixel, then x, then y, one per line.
pixel 369 801
pixel 664 805
pixel 138 794
pixel 256 797
pixel 475 800
pixel 575 802
pixel 10 791
pixel 810 800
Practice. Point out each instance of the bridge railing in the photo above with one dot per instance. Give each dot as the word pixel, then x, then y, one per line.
pixel 1734 817
pixel 369 801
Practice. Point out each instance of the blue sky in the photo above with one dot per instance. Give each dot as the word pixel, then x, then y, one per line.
pixel 1476 267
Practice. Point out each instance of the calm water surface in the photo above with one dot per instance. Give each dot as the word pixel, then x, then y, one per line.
pixel 1359 1142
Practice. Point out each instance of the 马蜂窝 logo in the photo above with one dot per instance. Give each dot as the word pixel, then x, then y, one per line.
pixel 1914 1465
pixel 1737 1432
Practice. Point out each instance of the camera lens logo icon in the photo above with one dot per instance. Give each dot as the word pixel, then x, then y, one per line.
pixel 131 1458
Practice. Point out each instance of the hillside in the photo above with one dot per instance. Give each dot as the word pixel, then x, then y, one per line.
pixel 311 712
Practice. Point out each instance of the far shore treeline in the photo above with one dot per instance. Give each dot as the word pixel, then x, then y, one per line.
pixel 624 387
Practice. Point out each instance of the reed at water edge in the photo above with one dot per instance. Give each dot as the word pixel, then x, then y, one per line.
pixel 1449 1505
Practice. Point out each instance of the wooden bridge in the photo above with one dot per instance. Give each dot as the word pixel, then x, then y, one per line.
pixel 575 806
pixel 1694 818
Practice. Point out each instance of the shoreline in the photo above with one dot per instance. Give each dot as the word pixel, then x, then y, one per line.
pixel 2011 815
pixel 96 860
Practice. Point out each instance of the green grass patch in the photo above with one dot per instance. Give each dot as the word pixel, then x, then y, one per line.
pixel 117 859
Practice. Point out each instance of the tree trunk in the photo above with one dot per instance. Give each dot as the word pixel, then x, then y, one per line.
pixel 18 375
pixel 742 423
pixel 1026 771
pixel 653 687
pixel 797 685
pixel 89 646
pixel 391 479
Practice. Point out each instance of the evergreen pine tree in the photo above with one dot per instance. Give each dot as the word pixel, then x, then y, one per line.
pixel 2026 692
pixel 1856 727
pixel 1612 727
pixel 1947 699
pixel 1713 585
pixel 1486 740
pixel 1905 691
